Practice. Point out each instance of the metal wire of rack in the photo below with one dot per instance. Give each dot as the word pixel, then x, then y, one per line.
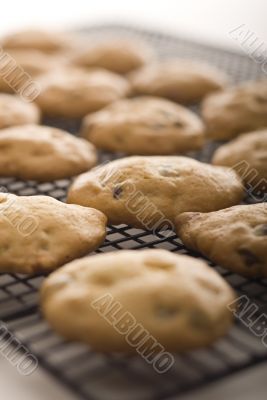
pixel 96 376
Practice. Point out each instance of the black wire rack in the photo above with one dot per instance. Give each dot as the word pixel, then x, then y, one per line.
pixel 95 376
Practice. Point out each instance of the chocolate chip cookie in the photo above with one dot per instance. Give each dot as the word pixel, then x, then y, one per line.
pixel 235 238
pixel 236 110
pixel 146 126
pixel 39 233
pixel 127 301
pixel 43 153
pixel 24 65
pixel 14 111
pixel 73 93
pixel 149 192
pixel 183 81
pixel 42 40
pixel 117 55
pixel 247 154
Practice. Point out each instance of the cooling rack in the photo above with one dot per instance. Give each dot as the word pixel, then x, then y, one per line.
pixel 94 376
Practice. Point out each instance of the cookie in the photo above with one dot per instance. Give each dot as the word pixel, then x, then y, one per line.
pixel 183 81
pixel 39 234
pixel 46 41
pixel 24 65
pixel 73 93
pixel 149 192
pixel 164 296
pixel 236 110
pixel 117 55
pixel 144 125
pixel 247 154
pixel 235 238
pixel 14 111
pixel 43 153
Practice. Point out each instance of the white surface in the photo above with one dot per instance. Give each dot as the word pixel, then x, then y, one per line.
pixel 208 20
pixel 38 386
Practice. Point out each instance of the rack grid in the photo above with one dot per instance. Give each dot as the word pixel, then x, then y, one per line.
pixel 95 376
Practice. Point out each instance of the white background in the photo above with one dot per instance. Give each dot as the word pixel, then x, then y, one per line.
pixel 208 20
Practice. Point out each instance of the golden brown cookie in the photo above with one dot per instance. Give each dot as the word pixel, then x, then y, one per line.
pixel 235 238
pixel 117 55
pixel 37 39
pixel 43 153
pixel 149 192
pixel 14 111
pixel 247 154
pixel 236 110
pixel 25 65
pixel 146 126
pixel 176 301
pixel 39 233
pixel 73 93
pixel 183 81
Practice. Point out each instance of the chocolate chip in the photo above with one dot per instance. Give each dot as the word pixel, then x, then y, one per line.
pixel 178 124
pixel 4 247
pixel 199 320
pixel 261 230
pixel 260 98
pixel 116 192
pixel 248 257
pixel 44 245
